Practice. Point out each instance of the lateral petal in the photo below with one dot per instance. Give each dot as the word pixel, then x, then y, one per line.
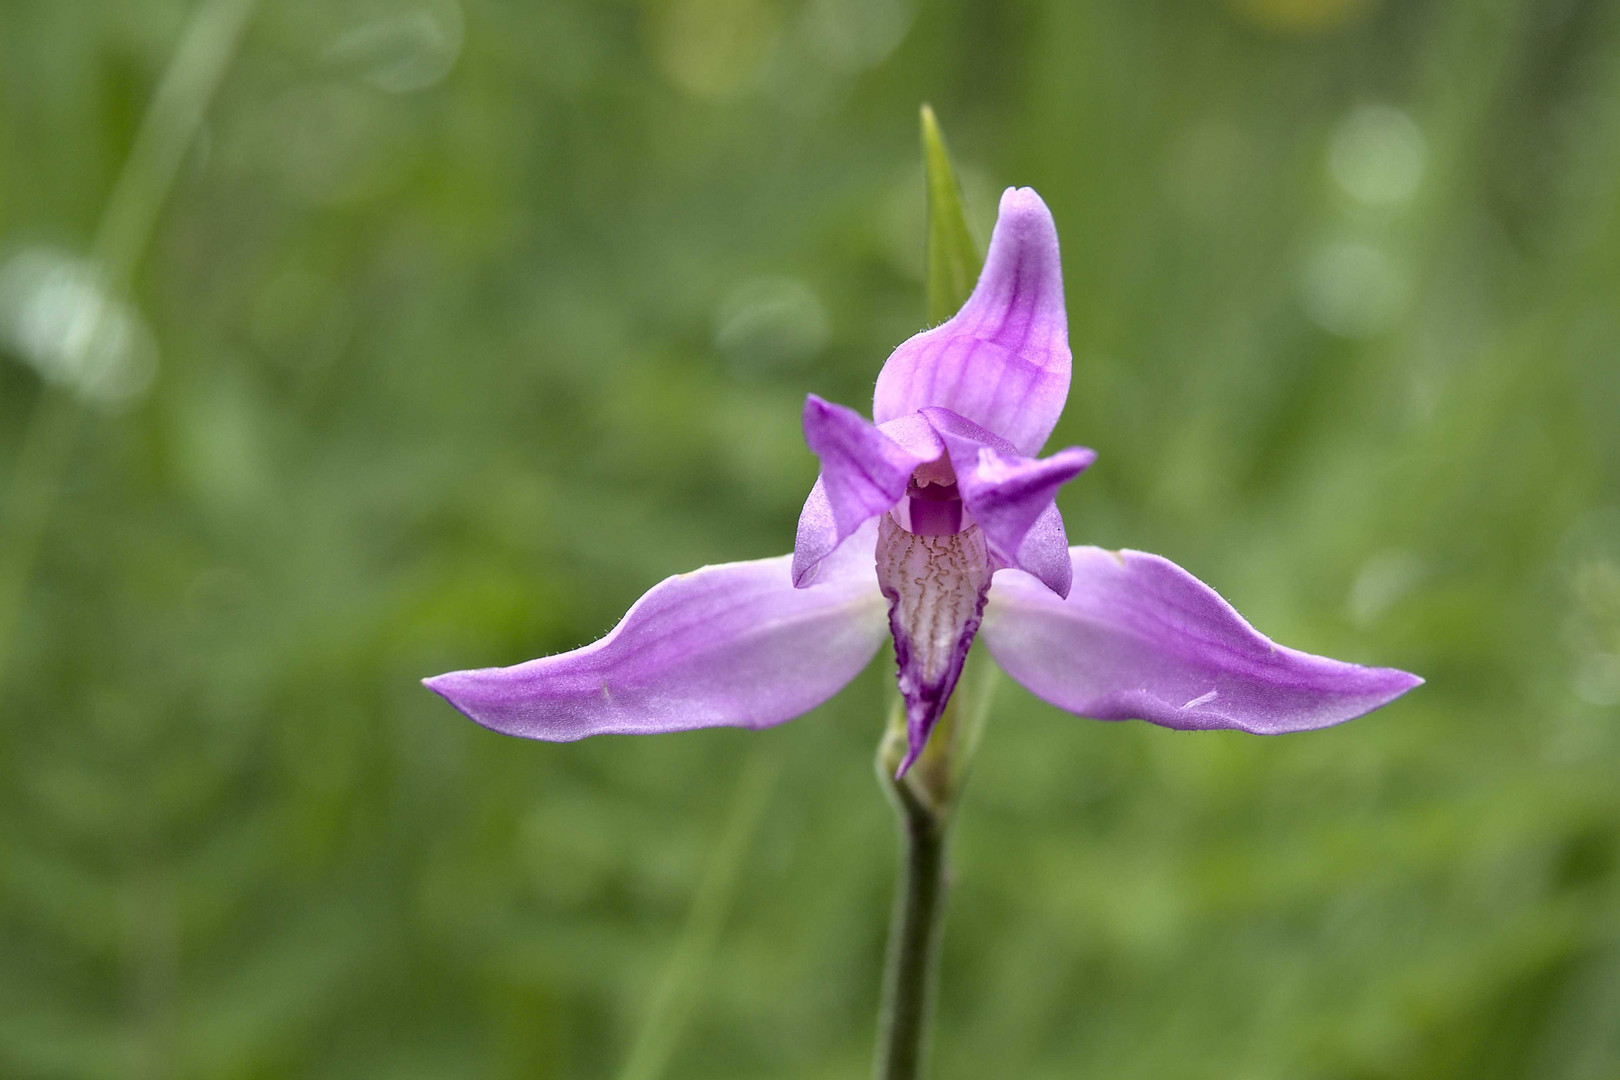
pixel 864 471
pixel 1003 360
pixel 1140 638
pixel 734 645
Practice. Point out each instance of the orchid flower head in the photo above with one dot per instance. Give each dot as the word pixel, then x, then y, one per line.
pixel 931 524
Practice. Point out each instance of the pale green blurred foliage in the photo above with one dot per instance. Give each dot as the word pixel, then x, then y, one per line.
pixel 469 321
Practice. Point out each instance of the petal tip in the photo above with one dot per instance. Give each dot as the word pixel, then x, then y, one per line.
pixel 1020 201
pixel 803 572
pixel 446 686
pixel 1403 681
pixel 916 743
pixel 1082 457
pixel 1024 215
pixel 1386 686
pixel 816 413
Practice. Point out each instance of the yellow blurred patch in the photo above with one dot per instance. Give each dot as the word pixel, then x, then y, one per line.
pixel 1301 16
pixel 712 48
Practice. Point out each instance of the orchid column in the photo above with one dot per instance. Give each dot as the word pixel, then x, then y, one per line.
pixel 931 525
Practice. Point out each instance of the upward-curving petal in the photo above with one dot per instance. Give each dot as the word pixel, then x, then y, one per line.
pixel 1140 638
pixel 1002 361
pixel 732 645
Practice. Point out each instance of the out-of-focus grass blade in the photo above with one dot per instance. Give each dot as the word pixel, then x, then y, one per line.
pixel 953 256
pixel 166 134
pixel 127 220
pixel 681 986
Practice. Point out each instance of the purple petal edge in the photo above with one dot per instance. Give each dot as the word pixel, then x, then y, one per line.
pixel 731 645
pixel 1140 638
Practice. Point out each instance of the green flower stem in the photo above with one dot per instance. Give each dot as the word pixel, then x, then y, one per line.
pixel 924 801
pixel 914 937
pixel 679 991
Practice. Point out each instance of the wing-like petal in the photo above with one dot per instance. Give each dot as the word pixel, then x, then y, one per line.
pixel 1140 638
pixel 724 646
pixel 1003 360
pixel 864 471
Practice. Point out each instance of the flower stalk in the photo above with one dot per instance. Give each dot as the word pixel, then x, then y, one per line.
pixel 923 800
pixel 912 970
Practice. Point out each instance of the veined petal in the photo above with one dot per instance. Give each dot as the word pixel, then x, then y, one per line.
pixel 732 645
pixel 1007 494
pixel 1003 360
pixel 1140 638
pixel 864 471
pixel 936 588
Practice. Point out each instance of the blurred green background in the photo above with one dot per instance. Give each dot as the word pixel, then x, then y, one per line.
pixel 464 322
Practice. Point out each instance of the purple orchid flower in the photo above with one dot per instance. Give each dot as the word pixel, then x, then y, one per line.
pixel 941 515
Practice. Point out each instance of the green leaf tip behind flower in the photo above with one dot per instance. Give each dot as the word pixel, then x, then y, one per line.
pixel 954 258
